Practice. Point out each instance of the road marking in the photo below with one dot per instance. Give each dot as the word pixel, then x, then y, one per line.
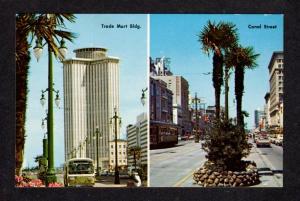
pixel 184 179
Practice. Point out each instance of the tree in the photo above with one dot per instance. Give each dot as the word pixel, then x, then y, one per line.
pixel 46 27
pixel 135 152
pixel 216 38
pixel 241 58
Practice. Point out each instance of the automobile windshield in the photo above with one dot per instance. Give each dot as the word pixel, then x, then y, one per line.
pixel 81 167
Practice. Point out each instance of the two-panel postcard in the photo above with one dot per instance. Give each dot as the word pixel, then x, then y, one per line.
pixel 149 100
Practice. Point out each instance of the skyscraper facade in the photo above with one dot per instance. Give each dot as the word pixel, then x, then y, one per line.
pixel 276 89
pixel 91 92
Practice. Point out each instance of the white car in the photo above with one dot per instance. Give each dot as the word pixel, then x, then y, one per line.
pixel 263 142
pixel 279 140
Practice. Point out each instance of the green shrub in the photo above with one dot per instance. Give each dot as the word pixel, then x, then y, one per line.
pixel 226 145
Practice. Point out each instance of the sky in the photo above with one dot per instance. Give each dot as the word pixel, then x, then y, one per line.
pixel 176 36
pixel 128 44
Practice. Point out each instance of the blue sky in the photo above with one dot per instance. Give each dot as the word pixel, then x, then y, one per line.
pixel 130 45
pixel 176 36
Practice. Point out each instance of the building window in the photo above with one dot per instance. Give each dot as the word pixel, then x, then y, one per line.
pixel 124 161
pixel 111 146
pixel 119 146
pixel 120 153
pixel 124 146
pixel 112 153
pixel 124 152
pixel 120 161
pixel 112 161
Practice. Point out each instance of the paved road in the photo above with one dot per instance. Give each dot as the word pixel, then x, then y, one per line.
pixel 174 167
pixel 171 167
pixel 269 158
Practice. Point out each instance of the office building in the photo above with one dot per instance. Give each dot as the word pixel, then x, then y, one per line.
pixel 180 89
pixel 275 67
pixel 91 92
pixel 137 137
pixel 122 154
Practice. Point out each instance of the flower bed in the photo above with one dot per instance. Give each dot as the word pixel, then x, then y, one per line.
pixel 27 182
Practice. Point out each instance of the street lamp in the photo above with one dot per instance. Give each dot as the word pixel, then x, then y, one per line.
pixel 97 141
pixel 116 117
pixel 197 100
pixel 38 49
pixel 143 98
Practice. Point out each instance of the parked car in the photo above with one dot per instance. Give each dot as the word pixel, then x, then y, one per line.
pixel 279 140
pixel 104 173
pixel 263 142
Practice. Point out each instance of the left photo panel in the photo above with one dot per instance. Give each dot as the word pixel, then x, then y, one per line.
pixel 81 100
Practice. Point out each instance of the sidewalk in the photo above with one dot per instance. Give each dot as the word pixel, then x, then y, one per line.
pixel 108 181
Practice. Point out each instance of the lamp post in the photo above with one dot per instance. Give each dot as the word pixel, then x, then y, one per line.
pixel 196 100
pixel 97 147
pixel 116 117
pixel 51 177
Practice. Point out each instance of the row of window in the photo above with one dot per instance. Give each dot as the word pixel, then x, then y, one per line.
pixel 112 153
pixel 120 146
pixel 279 60
pixel 120 161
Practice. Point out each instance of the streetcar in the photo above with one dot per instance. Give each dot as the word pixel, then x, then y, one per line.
pixel 163 134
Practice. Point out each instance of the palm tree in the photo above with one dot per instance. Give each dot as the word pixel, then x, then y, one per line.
pixel 40 26
pixel 135 152
pixel 216 38
pixel 227 72
pixel 241 58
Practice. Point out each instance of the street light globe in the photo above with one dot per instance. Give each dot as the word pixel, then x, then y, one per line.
pixel 37 53
pixel 42 100
pixel 62 50
pixel 57 100
pixel 143 101
pixel 38 49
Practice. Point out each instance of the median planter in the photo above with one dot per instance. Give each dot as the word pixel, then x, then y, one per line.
pixel 211 176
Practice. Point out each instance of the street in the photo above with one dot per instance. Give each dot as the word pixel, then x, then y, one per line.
pixel 174 167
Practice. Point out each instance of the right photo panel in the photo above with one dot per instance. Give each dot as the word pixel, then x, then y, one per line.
pixel 216 100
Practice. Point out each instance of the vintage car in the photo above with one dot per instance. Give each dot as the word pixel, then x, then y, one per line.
pixel 79 172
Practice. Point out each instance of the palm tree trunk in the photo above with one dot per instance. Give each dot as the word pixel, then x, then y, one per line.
pixel 239 90
pixel 134 156
pixel 226 92
pixel 22 66
pixel 217 80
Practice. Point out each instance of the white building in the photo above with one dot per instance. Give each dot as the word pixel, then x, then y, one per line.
pixel 137 136
pixel 91 92
pixel 276 89
pixel 122 154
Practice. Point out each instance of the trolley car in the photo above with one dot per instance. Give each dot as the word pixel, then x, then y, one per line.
pixel 163 134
